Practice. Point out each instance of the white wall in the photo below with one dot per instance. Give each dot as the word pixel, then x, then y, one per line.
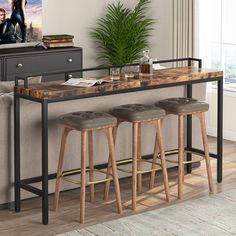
pixel 229 115
pixel 78 16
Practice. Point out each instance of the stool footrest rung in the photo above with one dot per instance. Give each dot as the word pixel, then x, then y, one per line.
pixel 127 161
pixel 78 171
pixel 200 157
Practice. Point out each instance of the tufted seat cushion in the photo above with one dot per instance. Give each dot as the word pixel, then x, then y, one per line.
pixel 182 105
pixel 137 112
pixel 87 120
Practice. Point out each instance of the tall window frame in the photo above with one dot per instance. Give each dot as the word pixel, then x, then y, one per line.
pixel 217 38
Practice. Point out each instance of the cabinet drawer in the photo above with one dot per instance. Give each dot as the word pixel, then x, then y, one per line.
pixel 37 64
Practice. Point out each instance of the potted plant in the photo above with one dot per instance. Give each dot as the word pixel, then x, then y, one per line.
pixel 122 34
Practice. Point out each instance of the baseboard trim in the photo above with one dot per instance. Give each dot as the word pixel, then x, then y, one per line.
pixel 9 206
pixel 228 135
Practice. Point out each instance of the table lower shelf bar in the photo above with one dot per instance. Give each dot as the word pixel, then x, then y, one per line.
pixel 25 183
pixel 199 151
pixel 31 189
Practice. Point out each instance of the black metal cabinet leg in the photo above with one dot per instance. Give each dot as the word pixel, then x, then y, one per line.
pixel 45 162
pixel 219 130
pixel 17 152
pixel 189 131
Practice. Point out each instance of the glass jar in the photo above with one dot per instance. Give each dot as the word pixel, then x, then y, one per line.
pixel 146 65
pixel 115 73
pixel 128 72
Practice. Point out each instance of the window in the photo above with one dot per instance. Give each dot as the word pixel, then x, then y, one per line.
pixel 217 31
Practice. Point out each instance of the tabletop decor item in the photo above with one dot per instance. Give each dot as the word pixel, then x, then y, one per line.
pixel 84 82
pixel 58 40
pixel 122 34
pixel 146 64
pixel 115 73
pixel 130 71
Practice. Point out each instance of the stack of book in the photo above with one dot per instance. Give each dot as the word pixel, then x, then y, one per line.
pixel 56 41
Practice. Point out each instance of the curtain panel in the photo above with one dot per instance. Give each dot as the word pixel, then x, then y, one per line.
pixel 185 28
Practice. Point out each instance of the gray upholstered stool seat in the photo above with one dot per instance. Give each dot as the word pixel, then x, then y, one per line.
pixel 182 105
pixel 87 120
pixel 137 112
pixel 137 115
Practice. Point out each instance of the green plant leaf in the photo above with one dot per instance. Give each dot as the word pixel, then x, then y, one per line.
pixel 122 34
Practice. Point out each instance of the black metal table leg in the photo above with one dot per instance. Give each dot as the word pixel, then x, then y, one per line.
pixel 26 183
pixel 45 162
pixel 17 152
pixel 219 130
pixel 189 131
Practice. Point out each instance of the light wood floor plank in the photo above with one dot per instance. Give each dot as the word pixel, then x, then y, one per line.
pixel 28 221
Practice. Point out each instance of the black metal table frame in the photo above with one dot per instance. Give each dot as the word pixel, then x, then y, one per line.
pixel 43 193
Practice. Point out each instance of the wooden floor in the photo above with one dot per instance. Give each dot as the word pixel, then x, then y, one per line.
pixel 27 222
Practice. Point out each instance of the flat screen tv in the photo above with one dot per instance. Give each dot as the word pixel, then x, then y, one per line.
pixel 20 22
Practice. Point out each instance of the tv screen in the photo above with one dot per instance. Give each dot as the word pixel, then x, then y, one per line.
pixel 20 22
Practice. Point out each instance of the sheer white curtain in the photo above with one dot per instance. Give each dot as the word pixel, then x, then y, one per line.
pixel 185 28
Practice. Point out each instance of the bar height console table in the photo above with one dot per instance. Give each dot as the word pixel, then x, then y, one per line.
pixel 51 92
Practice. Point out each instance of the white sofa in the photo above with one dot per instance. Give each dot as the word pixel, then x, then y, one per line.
pixel 31 134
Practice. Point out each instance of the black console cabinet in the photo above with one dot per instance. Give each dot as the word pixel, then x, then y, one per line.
pixel 30 61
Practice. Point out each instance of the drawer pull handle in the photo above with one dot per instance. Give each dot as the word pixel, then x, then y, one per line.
pixel 19 65
pixel 69 60
pixel 70 76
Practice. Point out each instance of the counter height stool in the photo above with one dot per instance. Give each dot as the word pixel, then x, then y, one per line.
pixel 182 107
pixel 87 122
pixel 138 114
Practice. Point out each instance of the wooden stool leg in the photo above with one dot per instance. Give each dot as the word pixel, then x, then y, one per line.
pixel 139 153
pixel 154 159
pixel 109 169
pixel 114 168
pixel 201 117
pixel 134 164
pixel 181 155
pixel 59 168
pixel 91 165
pixel 83 175
pixel 163 160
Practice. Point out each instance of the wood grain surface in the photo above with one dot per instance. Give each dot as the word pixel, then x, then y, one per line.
pixel 55 89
